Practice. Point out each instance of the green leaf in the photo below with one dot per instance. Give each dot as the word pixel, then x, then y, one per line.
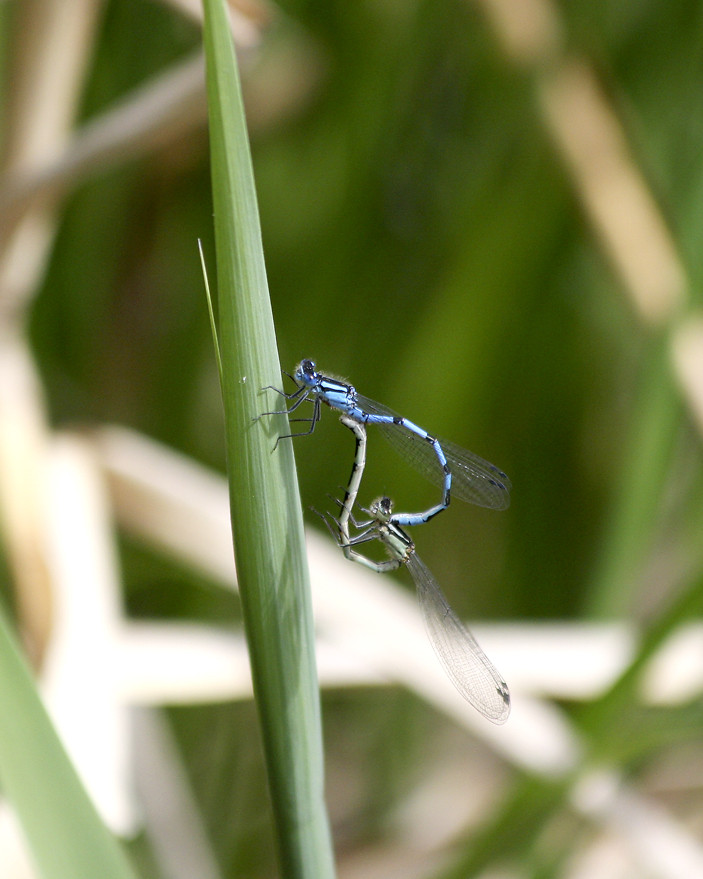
pixel 67 837
pixel 265 504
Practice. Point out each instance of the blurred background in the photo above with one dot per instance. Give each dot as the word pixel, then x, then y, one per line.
pixel 483 214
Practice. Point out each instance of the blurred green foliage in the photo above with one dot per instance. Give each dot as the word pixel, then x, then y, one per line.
pixel 422 239
pixel 419 239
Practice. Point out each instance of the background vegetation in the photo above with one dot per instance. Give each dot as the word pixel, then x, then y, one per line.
pixel 487 219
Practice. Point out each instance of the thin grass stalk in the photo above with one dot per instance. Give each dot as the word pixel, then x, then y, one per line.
pixel 265 504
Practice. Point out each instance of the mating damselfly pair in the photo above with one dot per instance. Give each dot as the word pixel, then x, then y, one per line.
pixel 458 472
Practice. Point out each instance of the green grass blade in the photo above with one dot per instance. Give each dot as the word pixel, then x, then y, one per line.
pixel 65 834
pixel 647 463
pixel 265 503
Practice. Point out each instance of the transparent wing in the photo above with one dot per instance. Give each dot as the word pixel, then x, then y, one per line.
pixel 467 666
pixel 473 479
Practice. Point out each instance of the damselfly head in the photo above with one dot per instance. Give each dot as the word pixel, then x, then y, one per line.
pixel 381 509
pixel 305 373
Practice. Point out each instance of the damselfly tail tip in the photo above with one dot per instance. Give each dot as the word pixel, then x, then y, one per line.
pixel 504 693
